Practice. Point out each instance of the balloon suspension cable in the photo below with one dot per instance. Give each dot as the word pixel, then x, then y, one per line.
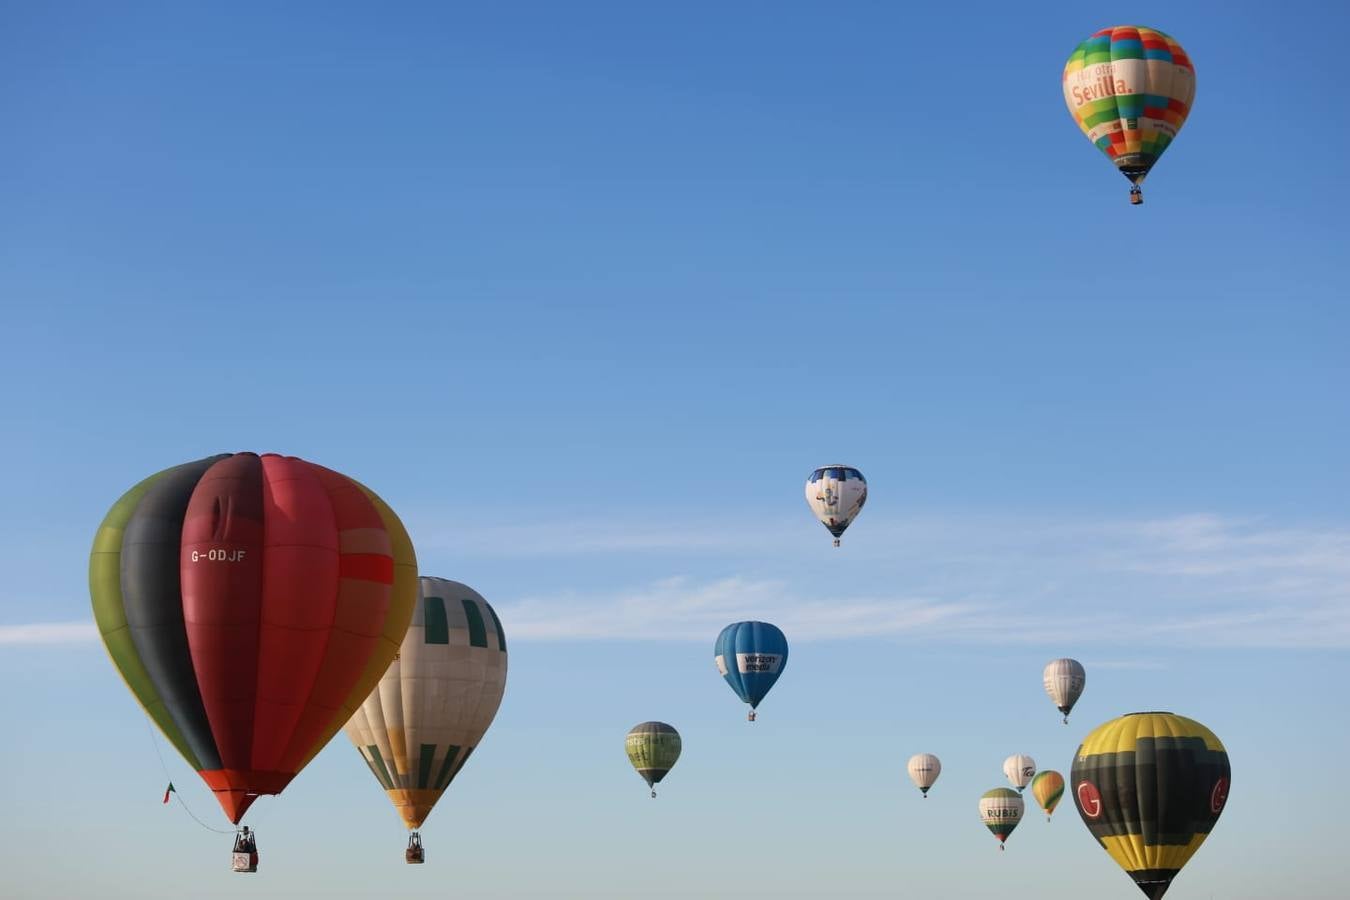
pixel 177 796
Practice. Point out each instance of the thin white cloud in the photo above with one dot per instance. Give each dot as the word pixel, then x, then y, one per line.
pixel 1118 586
pixel 682 609
pixel 1126 664
pixel 48 633
pixel 1196 580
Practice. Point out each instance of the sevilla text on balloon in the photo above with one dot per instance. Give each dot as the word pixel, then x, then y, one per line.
pixel 1103 86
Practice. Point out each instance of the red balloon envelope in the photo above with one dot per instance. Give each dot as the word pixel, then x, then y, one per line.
pixel 251 603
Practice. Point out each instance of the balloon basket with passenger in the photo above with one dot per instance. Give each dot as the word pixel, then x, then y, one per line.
pixel 244 858
pixel 414 855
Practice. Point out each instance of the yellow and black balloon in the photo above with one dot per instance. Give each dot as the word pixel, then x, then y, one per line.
pixel 1150 787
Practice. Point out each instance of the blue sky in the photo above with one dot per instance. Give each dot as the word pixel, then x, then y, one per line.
pixel 585 292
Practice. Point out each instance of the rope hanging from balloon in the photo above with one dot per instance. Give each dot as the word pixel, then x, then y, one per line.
pixel 168 778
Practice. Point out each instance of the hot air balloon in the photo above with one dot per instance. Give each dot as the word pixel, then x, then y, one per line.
pixel 1150 787
pixel 1001 810
pixel 653 748
pixel 418 727
pixel 251 603
pixel 1064 682
pixel 924 769
pixel 751 656
pixel 836 495
pixel 1048 788
pixel 1019 768
pixel 1130 88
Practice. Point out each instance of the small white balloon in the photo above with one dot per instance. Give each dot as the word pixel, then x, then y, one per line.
pixel 1019 768
pixel 1064 682
pixel 924 769
pixel 836 495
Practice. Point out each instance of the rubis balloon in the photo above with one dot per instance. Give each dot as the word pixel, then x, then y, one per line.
pixel 1150 787
pixel 1000 811
pixel 251 603
pixel 1130 89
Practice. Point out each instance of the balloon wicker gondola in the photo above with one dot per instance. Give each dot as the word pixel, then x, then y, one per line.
pixel 244 858
pixel 414 855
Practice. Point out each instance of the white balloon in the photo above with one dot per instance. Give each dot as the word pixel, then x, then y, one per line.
pixel 1064 682
pixel 426 716
pixel 1019 768
pixel 924 769
pixel 836 495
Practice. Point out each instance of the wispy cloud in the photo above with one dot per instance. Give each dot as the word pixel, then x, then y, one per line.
pixel 48 633
pixel 601 535
pixel 682 609
pixel 1195 580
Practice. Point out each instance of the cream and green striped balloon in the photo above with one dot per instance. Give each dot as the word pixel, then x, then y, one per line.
pixel 1000 811
pixel 653 748
pixel 433 705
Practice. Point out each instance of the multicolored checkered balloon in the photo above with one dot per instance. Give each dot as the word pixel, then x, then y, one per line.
pixel 1130 89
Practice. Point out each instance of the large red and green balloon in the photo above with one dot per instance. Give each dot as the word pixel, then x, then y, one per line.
pixel 251 603
pixel 1130 89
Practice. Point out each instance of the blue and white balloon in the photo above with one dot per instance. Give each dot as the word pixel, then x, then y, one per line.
pixel 751 656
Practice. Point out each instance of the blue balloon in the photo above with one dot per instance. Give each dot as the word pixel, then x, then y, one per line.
pixel 751 656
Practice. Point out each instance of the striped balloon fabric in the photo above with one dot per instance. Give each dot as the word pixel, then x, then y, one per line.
pixel 1064 681
pixel 1048 789
pixel 418 727
pixel 1019 768
pixel 1150 786
pixel 1130 89
pixel 653 748
pixel 1000 811
pixel 924 769
pixel 251 603
pixel 750 656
